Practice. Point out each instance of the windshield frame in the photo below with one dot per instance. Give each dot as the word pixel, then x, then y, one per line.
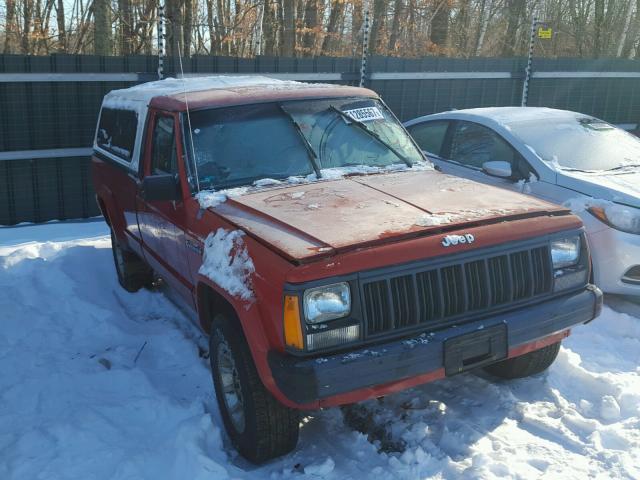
pixel 191 167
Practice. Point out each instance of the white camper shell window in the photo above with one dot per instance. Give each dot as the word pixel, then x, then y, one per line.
pixel 117 132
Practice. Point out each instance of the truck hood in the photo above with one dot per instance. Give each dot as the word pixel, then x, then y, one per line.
pixel 615 187
pixel 324 217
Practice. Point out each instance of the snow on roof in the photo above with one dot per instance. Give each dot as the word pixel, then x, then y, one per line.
pixel 144 92
pixel 138 97
pixel 510 115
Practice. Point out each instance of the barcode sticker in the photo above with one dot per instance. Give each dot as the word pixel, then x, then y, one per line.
pixel 366 114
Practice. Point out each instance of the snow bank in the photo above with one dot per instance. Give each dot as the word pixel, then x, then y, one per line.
pixel 227 263
pixel 97 383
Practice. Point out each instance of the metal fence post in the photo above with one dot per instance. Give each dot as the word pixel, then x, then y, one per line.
pixel 527 71
pixel 365 44
pixel 160 39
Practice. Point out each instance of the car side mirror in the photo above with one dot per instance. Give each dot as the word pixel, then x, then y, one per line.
pixel 158 188
pixel 497 169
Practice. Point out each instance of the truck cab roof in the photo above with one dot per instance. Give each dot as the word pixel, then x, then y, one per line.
pixel 194 93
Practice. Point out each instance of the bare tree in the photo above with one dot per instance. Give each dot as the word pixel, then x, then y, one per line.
pixel 515 11
pixel 10 26
pixel 398 21
pixel 310 24
pixel 289 28
pixel 102 27
pixel 378 26
pixel 440 24
pixel 62 34
pixel 335 18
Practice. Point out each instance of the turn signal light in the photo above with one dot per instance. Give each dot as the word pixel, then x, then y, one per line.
pixel 292 326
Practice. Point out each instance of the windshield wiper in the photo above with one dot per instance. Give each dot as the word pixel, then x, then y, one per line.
pixel 371 133
pixel 622 167
pixel 313 156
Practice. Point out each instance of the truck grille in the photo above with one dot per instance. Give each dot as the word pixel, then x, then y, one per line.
pixel 446 293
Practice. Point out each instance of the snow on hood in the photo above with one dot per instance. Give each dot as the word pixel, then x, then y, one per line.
pixel 615 186
pixel 213 198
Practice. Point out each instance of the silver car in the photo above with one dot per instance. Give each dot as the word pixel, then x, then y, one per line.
pixel 564 157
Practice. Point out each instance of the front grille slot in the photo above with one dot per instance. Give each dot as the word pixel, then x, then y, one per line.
pixel 453 288
pixel 499 282
pixel 429 295
pixel 404 301
pixel 542 274
pixel 476 286
pixel 521 275
pixel 376 304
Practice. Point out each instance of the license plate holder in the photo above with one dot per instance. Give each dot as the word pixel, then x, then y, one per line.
pixel 476 349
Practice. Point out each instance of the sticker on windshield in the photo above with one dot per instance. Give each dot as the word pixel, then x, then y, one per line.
pixel 366 114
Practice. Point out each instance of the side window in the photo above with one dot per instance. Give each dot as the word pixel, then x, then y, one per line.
pixel 163 151
pixel 473 145
pixel 117 132
pixel 430 135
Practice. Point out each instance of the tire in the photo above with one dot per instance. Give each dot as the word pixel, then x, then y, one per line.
pixel 133 273
pixel 266 429
pixel 527 364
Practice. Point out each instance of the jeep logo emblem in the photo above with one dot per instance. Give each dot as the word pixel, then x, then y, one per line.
pixel 456 239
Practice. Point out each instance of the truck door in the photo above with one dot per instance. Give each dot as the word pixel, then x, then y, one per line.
pixel 161 222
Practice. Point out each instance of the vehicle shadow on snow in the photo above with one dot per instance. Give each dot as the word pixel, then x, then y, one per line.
pixel 444 418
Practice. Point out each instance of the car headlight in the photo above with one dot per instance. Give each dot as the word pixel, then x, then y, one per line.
pixel 619 217
pixel 565 252
pixel 326 303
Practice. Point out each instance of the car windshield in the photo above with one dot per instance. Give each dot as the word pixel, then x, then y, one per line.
pixel 580 143
pixel 237 146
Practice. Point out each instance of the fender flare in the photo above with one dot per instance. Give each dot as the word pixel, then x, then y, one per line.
pixel 247 315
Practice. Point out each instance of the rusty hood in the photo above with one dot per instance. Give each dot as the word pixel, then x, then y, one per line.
pixel 324 217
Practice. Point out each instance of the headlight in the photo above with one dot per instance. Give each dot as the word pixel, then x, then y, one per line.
pixel 619 217
pixel 326 303
pixel 565 252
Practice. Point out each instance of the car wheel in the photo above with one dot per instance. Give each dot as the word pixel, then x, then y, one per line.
pixel 133 273
pixel 259 426
pixel 527 364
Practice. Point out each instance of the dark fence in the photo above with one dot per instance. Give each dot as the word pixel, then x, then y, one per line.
pixel 49 106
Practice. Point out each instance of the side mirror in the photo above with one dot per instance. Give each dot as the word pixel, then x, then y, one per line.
pixel 158 188
pixel 497 169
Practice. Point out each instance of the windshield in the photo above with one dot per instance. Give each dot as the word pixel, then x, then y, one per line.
pixel 237 146
pixel 349 132
pixel 580 143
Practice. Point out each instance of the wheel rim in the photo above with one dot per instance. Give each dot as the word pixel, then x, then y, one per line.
pixel 230 384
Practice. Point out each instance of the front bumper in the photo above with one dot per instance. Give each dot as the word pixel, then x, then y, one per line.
pixel 385 368
pixel 613 253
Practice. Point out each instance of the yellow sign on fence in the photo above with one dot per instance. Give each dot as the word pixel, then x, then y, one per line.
pixel 545 32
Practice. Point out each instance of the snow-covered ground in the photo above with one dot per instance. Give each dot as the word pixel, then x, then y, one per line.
pixel 97 383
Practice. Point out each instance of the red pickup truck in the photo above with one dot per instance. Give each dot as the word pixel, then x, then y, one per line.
pixel 326 258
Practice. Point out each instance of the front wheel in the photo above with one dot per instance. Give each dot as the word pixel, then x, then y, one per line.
pixel 527 364
pixel 259 426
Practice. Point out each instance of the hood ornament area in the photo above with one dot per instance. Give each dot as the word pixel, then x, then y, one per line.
pixel 450 240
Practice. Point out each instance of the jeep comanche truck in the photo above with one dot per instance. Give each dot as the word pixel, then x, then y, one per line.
pixel 327 260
